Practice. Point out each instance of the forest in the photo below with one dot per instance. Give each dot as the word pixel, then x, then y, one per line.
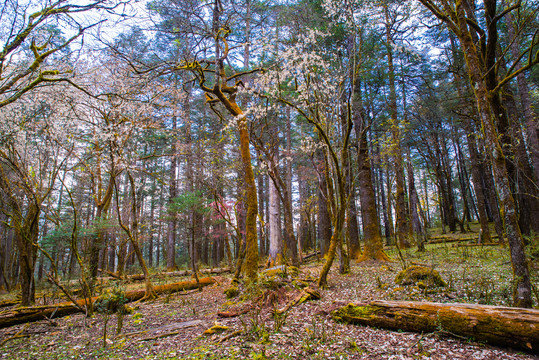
pixel 229 179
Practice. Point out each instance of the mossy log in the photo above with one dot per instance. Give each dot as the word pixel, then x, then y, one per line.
pixel 481 244
pixel 30 314
pixel 305 295
pixel 138 277
pixel 9 302
pixel 502 326
pixel 450 240
pixel 311 256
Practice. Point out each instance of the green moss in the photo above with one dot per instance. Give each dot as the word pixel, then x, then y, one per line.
pixel 276 271
pixel 420 275
pixel 352 313
pixel 299 284
pixel 215 329
pixel 231 292
pixel 293 271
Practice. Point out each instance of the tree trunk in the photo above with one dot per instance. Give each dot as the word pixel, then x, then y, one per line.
pixel 275 254
pixel 374 248
pixel 396 151
pixel 522 290
pixel 324 221
pixel 31 314
pixel 419 231
pixel 531 116
pixel 496 325
pixel 172 193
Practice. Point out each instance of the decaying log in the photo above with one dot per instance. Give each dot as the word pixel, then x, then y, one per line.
pixel 447 239
pixel 475 244
pixel 136 277
pixel 30 314
pixel 306 294
pixel 310 256
pixel 229 336
pixel 9 302
pixel 18 335
pixel 230 314
pixel 496 325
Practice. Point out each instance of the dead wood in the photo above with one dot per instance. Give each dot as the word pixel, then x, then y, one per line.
pixel 230 314
pixel 137 277
pixel 16 336
pixel 474 244
pixel 9 302
pixel 160 336
pixel 310 256
pixel 305 295
pixel 496 325
pixel 229 336
pixel 447 239
pixel 30 314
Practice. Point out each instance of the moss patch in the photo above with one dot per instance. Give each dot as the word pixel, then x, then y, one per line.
pixel 217 328
pixel 354 313
pixel 415 275
pixel 231 292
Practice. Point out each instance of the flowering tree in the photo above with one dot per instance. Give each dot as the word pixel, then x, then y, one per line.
pixel 309 80
pixel 33 44
pixel 34 149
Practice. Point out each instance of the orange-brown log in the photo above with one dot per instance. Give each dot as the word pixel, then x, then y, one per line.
pixel 496 325
pixel 36 313
pixel 167 274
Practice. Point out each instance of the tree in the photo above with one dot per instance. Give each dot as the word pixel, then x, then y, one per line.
pixel 30 43
pixel 481 67
pixel 33 150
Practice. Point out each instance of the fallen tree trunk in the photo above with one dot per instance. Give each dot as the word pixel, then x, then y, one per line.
pixel 166 274
pixel 36 313
pixel 442 240
pixel 496 325
pixel 306 294
pixel 9 302
pixel 480 244
pixel 310 256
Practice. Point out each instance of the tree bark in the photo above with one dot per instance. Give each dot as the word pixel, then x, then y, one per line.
pixel 172 193
pixel 396 151
pixel 275 254
pixel 374 248
pixel 31 314
pixel 522 291
pixel 496 325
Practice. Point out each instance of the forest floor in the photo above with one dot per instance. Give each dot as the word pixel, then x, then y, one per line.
pixel 474 274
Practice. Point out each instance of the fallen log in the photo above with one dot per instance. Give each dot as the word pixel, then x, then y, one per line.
pixel 305 295
pixel 230 314
pixel 136 277
pixel 435 240
pixel 481 244
pixel 9 302
pixel 497 325
pixel 310 256
pixel 451 240
pixel 29 314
